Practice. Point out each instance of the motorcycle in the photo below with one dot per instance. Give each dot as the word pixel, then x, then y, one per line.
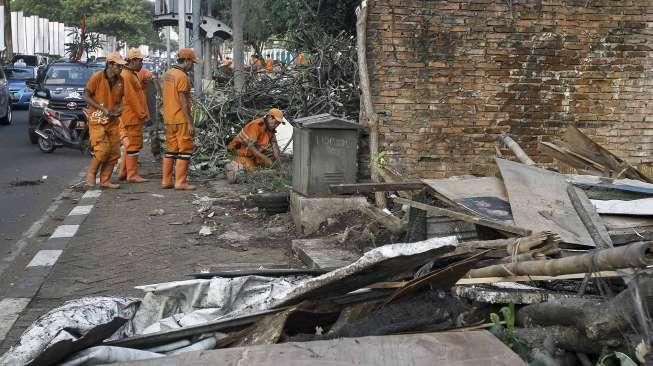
pixel 60 129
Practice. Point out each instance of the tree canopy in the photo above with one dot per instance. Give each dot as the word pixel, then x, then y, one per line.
pixel 289 19
pixel 130 21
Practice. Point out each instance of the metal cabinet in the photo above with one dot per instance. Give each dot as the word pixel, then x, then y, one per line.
pixel 324 152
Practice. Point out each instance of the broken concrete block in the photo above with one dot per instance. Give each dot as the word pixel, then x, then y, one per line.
pixel 323 253
pixel 309 212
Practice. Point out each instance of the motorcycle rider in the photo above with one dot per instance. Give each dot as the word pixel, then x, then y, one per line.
pixel 103 93
pixel 133 117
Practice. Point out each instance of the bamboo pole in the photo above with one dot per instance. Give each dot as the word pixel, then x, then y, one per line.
pixel 515 148
pixel 366 94
pixel 629 256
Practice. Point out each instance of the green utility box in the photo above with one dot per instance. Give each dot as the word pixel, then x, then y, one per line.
pixel 324 152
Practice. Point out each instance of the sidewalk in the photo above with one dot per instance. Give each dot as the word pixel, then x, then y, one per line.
pixel 141 234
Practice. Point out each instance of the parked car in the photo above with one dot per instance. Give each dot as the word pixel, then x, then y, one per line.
pixel 61 88
pixel 5 102
pixel 17 78
pixel 30 60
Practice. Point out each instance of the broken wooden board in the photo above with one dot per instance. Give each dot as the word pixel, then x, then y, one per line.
pixel 426 349
pixel 323 253
pixel 579 143
pixel 540 202
pixel 642 207
pixel 484 196
pixel 589 217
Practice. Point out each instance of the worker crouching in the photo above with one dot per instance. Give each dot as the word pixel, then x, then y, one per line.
pixel 255 145
pixel 103 94
pixel 178 122
pixel 134 116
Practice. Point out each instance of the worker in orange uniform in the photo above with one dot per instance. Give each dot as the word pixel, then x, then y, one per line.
pixel 103 94
pixel 269 64
pixel 178 121
pixel 255 63
pixel 301 59
pixel 256 145
pixel 134 116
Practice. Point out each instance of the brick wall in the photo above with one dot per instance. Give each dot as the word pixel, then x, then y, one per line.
pixel 447 76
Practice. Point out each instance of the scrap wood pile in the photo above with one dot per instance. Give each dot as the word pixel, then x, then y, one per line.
pixel 327 84
pixel 550 273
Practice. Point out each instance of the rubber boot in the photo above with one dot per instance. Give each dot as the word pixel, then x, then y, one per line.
pixel 166 180
pixel 123 168
pixel 91 172
pixel 105 175
pixel 132 169
pixel 181 175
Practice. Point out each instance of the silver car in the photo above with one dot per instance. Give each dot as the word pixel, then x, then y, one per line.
pixel 5 104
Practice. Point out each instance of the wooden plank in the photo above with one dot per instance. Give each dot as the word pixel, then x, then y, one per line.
pixel 564 156
pixel 539 201
pixel 578 142
pixel 479 196
pixel 641 207
pixel 356 188
pixel 465 217
pixel 589 217
pixel 475 347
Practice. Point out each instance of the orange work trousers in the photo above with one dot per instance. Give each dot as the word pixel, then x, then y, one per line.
pixel 179 139
pixel 105 141
pixel 134 134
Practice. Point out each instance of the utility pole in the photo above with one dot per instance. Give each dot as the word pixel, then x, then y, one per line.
pixel 208 46
pixel 237 29
pixel 181 12
pixel 197 46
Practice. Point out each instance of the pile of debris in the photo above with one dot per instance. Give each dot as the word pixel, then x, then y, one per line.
pixel 327 84
pixel 557 268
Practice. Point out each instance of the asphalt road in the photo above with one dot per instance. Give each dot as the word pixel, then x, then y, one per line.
pixel 23 197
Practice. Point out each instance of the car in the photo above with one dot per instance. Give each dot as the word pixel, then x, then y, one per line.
pixel 29 60
pixel 59 87
pixel 5 100
pixel 17 78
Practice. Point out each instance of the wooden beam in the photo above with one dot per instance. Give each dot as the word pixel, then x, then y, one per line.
pixel 357 188
pixel 589 217
pixel 464 217
pixel 511 144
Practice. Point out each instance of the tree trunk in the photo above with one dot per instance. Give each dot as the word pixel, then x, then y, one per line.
pixel 197 46
pixel 9 51
pixel 372 117
pixel 597 320
pixel 237 29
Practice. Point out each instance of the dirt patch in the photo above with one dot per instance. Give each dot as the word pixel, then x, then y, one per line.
pixel 355 231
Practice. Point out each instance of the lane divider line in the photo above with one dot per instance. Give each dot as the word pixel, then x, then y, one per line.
pixel 45 258
pixel 92 194
pixel 10 310
pixel 65 231
pixel 81 210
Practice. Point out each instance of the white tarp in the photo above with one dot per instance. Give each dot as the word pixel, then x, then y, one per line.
pixel 73 317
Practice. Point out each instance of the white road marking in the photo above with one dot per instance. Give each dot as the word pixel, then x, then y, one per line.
pixel 10 310
pixel 45 258
pixel 81 210
pixel 65 231
pixel 92 194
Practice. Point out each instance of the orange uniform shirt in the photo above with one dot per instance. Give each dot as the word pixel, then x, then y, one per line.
pixel 145 75
pixel 103 93
pixel 135 104
pixel 269 64
pixel 175 81
pixel 256 133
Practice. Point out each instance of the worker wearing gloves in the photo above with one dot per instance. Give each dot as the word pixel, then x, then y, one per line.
pixel 256 145
pixel 178 121
pixel 103 94
pixel 133 118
